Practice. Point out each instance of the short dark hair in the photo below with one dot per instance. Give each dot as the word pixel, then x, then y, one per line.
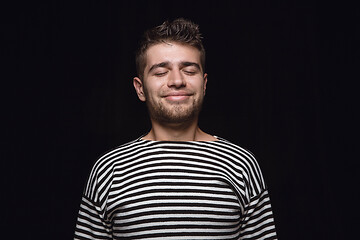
pixel 179 30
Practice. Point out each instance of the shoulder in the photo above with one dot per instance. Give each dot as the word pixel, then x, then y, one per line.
pixel 246 160
pixel 113 155
pixel 104 165
pixel 234 149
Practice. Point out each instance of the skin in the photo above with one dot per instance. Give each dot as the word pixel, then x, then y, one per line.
pixel 173 88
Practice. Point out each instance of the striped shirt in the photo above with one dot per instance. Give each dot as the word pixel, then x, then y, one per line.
pixel 176 190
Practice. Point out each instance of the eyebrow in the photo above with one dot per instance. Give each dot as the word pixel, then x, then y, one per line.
pixel 167 63
pixel 162 64
pixel 187 64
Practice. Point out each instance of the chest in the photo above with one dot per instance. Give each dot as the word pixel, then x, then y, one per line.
pixel 175 199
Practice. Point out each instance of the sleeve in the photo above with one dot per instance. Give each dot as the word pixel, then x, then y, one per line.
pixel 92 222
pixel 258 221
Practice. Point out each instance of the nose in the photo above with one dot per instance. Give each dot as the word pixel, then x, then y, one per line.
pixel 176 79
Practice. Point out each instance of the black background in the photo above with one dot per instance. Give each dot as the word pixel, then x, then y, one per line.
pixel 282 83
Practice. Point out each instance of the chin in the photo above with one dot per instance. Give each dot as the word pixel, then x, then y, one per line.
pixel 174 113
pixel 178 116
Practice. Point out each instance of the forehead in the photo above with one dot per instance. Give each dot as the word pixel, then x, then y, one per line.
pixel 171 52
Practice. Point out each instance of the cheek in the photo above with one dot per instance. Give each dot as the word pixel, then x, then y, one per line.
pixel 199 85
pixel 153 89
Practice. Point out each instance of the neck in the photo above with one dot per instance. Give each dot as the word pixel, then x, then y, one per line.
pixel 177 132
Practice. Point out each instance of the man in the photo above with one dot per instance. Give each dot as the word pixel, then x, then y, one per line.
pixel 175 182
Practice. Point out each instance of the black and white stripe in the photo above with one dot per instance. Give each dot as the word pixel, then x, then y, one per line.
pixel 176 190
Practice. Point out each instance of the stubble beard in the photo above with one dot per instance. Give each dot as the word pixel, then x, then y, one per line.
pixel 174 113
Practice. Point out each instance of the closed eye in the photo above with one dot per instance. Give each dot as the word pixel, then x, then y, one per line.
pixel 190 69
pixel 160 74
pixel 190 72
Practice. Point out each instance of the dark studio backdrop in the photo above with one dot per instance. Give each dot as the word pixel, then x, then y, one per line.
pixel 281 83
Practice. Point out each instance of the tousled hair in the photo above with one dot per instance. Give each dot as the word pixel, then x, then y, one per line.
pixel 179 30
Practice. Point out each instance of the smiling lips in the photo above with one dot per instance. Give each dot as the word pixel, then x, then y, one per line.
pixel 177 96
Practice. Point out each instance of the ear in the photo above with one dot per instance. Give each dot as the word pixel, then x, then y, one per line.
pixel 205 82
pixel 139 88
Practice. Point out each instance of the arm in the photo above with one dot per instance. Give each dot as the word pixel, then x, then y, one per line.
pixel 257 221
pixel 90 223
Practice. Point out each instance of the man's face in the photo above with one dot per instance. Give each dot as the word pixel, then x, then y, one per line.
pixel 173 85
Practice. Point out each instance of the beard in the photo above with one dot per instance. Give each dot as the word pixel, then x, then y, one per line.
pixel 174 112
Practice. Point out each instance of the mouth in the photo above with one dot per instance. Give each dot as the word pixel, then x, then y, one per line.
pixel 177 96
